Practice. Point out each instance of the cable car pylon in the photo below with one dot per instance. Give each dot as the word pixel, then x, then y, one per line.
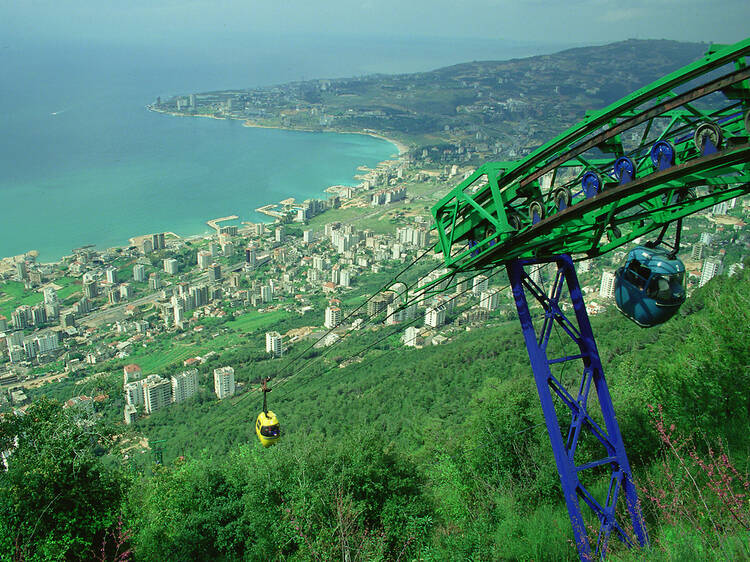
pixel 666 151
pixel 577 328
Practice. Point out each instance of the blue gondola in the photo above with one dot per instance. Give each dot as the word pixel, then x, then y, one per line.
pixel 650 289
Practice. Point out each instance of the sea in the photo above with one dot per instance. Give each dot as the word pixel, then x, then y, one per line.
pixel 82 161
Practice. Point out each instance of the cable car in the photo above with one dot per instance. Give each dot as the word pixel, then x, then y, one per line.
pixel 267 426
pixel 650 289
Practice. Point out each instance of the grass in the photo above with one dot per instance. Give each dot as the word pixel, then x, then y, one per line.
pixel 13 294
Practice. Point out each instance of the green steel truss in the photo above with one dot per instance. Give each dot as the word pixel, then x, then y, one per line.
pixel 536 207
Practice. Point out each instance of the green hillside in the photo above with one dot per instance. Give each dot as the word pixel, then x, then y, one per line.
pixel 431 454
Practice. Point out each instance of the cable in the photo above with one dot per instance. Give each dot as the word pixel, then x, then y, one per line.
pixel 383 288
pixel 414 302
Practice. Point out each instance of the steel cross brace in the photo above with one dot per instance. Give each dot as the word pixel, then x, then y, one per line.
pixel 578 329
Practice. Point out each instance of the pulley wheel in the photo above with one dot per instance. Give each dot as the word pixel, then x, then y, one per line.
pixel 591 183
pixel 708 132
pixel 662 153
pixel 562 198
pixel 515 221
pixel 536 212
pixel 624 166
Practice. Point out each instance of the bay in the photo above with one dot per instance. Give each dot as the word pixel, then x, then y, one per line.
pixel 82 161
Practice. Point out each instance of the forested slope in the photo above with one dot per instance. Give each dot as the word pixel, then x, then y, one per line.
pixel 435 454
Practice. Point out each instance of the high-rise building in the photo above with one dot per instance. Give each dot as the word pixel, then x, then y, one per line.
pixel 126 291
pixel 90 289
pixel 490 299
pixel 111 274
pixel 154 281
pixel 307 236
pixel 607 286
pixel 147 246
pixel 158 242
pixel 279 234
pixel 706 238
pixel 139 273
pixel 171 266
pixel 332 317
pixel 481 283
pixel 133 393
pixel 131 414
pixel 214 273
pixel 21 271
pixel 224 382
pixel 698 252
pixel 184 385
pixel 273 344
pixel 50 295
pixel 410 336
pixel 157 393
pixel 48 342
pixel 711 268
pixel 266 294
pixel 434 317
pixel 250 256
pixel 21 317
pixel 345 279
pixel 204 259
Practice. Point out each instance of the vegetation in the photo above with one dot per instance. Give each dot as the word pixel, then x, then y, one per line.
pixel 429 454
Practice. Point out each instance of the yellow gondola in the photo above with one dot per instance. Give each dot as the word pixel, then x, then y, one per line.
pixel 267 424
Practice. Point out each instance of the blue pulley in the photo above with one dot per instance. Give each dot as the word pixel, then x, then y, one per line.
pixel 591 183
pixel 624 169
pixel 662 155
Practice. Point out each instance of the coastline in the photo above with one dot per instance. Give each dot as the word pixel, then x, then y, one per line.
pixel 6 262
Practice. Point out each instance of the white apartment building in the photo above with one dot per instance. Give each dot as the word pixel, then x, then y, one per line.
pixel 224 382
pixel 607 286
pixel 157 393
pixel 333 317
pixel 184 385
pixel 273 344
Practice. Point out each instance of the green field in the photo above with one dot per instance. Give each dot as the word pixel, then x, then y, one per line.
pixel 13 294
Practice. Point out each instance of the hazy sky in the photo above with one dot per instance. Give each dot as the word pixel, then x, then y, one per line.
pixel 157 22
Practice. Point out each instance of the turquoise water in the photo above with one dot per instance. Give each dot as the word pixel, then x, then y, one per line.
pixel 83 162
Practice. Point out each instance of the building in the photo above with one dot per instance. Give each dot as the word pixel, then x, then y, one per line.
pixel 345 278
pixel 711 268
pixel 607 286
pixel 204 259
pixel 157 393
pixel 251 256
pixel 266 294
pixel 158 242
pixel 111 275
pixel 214 273
pixel 698 252
pixel 706 238
pixel 126 291
pixel 411 336
pixel 154 281
pixel 131 414
pixel 171 266
pixel 332 317
pixel 131 372
pixel 279 234
pixel 434 317
pixel 139 273
pixel 184 385
pixel 481 283
pixel 48 342
pixel 133 393
pixel 224 382
pixel 490 299
pixel 273 344
pixel 307 236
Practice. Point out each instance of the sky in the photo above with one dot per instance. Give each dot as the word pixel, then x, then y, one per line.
pixel 173 22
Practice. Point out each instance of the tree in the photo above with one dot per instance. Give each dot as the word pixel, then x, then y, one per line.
pixel 57 500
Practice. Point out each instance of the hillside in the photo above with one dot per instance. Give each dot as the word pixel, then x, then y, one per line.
pixel 490 107
pixel 428 454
